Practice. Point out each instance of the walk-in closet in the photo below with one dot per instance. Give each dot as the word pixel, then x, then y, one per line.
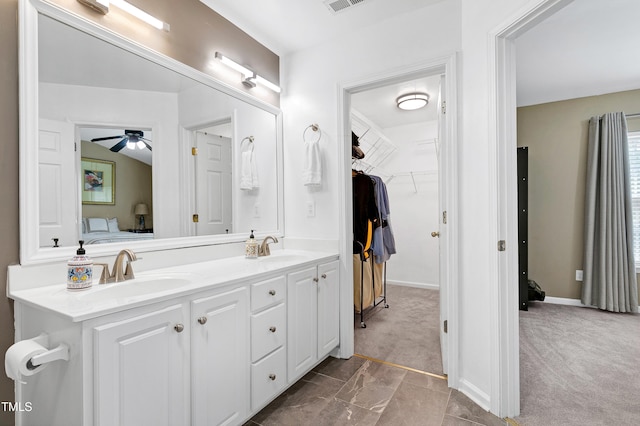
pixel 396 223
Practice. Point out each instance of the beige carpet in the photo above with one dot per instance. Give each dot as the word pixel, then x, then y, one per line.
pixel 406 333
pixel 578 366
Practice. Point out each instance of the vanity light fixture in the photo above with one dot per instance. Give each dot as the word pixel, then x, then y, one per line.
pixel 102 6
pixel 249 77
pixel 412 101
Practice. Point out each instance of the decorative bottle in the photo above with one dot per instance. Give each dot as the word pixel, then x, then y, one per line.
pixel 79 270
pixel 251 247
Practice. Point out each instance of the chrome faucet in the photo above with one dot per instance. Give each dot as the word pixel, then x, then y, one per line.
pixel 116 274
pixel 263 250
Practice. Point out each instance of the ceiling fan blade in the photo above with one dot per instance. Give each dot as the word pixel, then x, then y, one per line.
pixel 147 145
pixel 117 147
pixel 106 138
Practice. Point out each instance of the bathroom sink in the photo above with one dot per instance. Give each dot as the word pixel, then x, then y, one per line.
pixel 135 287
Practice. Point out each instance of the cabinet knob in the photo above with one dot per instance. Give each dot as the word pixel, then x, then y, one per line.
pixel 178 328
pixel 315 280
pixel 324 275
pixel 272 376
pixel 272 329
pixel 272 292
pixel 202 320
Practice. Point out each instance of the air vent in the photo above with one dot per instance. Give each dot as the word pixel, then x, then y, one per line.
pixel 336 6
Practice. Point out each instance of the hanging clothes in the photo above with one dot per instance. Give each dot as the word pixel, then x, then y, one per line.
pixel 383 244
pixel 365 213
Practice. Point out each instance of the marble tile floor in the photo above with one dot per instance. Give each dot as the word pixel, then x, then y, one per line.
pixel 367 392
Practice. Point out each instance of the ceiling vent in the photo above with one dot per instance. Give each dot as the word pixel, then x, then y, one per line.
pixel 336 6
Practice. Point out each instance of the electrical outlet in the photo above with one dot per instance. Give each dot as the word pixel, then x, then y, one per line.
pixel 578 275
pixel 256 210
pixel 311 209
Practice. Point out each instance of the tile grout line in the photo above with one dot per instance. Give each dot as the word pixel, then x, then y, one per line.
pixel 437 376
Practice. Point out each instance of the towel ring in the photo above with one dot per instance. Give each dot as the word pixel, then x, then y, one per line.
pixel 315 128
pixel 248 138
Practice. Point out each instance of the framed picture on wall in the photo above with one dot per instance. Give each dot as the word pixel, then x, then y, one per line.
pixel 98 181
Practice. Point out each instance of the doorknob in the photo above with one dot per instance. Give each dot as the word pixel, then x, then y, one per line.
pixel 435 234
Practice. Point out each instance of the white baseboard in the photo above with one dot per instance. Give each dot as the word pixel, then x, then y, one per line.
pixel 476 395
pixel 430 286
pixel 567 301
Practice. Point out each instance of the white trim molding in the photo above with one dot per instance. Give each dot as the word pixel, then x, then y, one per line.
pixel 505 349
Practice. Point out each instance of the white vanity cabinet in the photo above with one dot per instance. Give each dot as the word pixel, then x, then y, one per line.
pixel 139 368
pixel 313 316
pixel 211 353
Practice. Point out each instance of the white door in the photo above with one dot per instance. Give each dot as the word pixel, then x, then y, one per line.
pixel 140 369
pixel 442 202
pixel 58 186
pixel 213 184
pixel 220 358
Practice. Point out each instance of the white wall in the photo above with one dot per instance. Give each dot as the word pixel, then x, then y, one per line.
pixel 414 208
pixel 310 95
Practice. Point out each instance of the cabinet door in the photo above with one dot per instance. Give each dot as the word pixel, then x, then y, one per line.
pixel 141 369
pixel 328 307
pixel 302 321
pixel 220 358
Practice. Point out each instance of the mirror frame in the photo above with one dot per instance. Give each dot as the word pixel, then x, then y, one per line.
pixel 30 250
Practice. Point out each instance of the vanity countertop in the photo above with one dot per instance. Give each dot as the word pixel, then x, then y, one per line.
pixel 161 284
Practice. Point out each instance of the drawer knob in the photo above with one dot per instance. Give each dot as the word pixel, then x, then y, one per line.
pixel 272 376
pixel 272 329
pixel 315 280
pixel 178 328
pixel 202 320
pixel 272 292
pixel 324 275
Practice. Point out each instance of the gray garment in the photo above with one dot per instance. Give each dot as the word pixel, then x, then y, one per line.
pixel 610 281
pixel 384 243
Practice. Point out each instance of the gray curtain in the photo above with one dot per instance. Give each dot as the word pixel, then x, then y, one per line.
pixel 609 268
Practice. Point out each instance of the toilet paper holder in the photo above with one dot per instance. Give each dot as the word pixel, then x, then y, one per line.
pixel 60 352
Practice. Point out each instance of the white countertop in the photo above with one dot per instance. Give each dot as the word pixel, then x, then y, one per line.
pixel 160 284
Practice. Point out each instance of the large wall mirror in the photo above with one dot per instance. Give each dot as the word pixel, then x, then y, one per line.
pixel 133 148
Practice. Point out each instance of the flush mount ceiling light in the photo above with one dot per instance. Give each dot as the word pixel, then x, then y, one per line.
pixel 102 6
pixel 412 101
pixel 249 77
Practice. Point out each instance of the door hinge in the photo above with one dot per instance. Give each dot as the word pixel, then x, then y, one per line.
pixel 445 326
pixel 194 151
pixel 75 147
pixel 444 217
pixel 502 245
pixel 195 218
pixel 444 107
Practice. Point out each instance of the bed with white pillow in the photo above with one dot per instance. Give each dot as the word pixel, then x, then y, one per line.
pixel 100 230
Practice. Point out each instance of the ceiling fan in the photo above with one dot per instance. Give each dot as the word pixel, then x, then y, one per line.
pixel 132 139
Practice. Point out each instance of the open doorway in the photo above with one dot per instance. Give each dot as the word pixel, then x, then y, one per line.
pixel 401 155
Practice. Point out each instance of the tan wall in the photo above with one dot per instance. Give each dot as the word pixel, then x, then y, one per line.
pixel 133 186
pixel 9 246
pixel 196 32
pixel 556 134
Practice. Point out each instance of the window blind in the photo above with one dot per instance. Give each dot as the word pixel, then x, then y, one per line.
pixel 634 172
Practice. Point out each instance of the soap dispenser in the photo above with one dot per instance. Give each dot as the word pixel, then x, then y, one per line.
pixel 251 247
pixel 79 270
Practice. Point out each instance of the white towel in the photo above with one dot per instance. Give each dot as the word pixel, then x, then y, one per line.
pixel 312 165
pixel 248 171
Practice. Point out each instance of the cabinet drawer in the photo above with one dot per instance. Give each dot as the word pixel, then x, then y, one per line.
pixel 268 377
pixel 268 331
pixel 267 293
